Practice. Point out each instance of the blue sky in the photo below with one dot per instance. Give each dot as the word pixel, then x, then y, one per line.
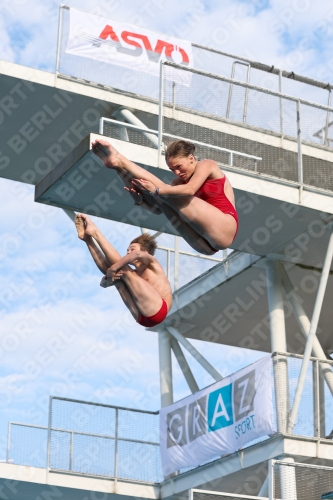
pixel 61 333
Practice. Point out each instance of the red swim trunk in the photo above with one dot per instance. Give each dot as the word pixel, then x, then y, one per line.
pixel 156 319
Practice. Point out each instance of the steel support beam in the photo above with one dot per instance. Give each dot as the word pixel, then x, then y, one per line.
pixel 184 366
pixel 278 341
pixel 125 115
pixel 318 401
pixel 196 354
pixel 312 332
pixel 164 348
pixel 304 324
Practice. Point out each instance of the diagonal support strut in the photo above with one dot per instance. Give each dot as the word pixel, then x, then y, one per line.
pixel 184 366
pixel 195 353
pixel 312 333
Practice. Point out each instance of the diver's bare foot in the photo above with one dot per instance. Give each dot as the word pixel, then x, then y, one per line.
pixel 79 224
pixel 106 152
pixel 90 228
pixel 85 227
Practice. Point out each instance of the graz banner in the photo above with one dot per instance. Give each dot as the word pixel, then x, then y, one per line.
pixel 127 45
pixel 219 419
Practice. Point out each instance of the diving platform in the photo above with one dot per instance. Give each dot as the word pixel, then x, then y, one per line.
pixel 261 297
pixel 272 221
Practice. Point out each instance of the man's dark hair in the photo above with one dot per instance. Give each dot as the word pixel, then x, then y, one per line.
pixel 146 242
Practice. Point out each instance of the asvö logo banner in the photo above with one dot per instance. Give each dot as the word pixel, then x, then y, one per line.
pixel 219 419
pixel 126 45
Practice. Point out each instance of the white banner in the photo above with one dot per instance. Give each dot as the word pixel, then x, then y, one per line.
pixel 127 45
pixel 219 419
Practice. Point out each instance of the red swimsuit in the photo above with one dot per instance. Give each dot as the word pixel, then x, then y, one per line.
pixel 156 319
pixel 212 191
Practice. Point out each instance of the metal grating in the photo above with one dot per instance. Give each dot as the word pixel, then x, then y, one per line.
pixel 294 481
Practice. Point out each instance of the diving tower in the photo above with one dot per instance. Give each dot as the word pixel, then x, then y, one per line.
pixel 261 297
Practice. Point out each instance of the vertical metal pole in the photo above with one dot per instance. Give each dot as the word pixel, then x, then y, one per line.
pixel 58 44
pixel 271 479
pixel 101 123
pixel 160 114
pixel 321 397
pixel 116 452
pixel 71 451
pixel 299 151
pixel 164 347
pixel 246 94
pixel 281 103
pixel 48 453
pixel 312 332
pixel 176 263
pixel 316 400
pixel 325 135
pixel 278 341
pixel 169 264
pixel 231 158
pixel 8 442
pixel 230 91
pixel 174 95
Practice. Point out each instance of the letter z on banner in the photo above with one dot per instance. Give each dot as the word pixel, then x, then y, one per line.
pixel 127 45
pixel 219 419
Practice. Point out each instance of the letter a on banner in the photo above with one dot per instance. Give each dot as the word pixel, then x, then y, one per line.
pixel 220 410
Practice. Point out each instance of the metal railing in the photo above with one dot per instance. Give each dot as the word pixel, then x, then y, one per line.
pixel 118 453
pixel 283 115
pixel 315 416
pixel 147 132
pixel 192 272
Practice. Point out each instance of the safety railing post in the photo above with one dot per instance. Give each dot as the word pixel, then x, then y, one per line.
pixel 58 43
pixel 48 453
pixel 281 103
pixel 101 125
pixel 176 264
pixel 116 452
pixel 168 263
pixel 160 114
pixel 299 150
pixel 8 442
pixel 71 451
pixel 325 135
pixel 316 399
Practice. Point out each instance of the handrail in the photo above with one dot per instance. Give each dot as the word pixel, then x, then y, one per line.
pixel 300 356
pixel 155 132
pixel 191 254
pixel 80 433
pixel 247 85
